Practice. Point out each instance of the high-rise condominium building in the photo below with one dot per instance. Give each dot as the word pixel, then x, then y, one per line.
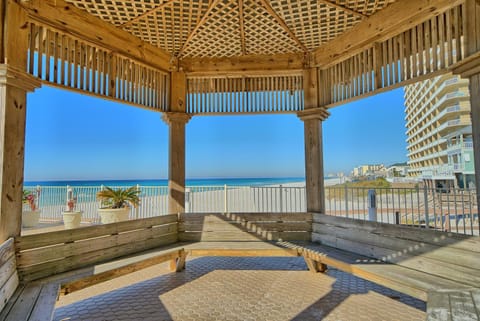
pixel 439 132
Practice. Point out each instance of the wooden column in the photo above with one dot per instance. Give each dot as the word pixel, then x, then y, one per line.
pixel 314 176
pixel 14 85
pixel 176 161
pixel 312 117
pixel 176 120
pixel 470 68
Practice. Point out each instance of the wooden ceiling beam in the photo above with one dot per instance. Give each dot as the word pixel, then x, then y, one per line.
pixel 242 64
pixel 386 23
pixel 343 8
pixel 147 13
pixel 242 27
pixel 282 23
pixel 67 18
pixel 199 24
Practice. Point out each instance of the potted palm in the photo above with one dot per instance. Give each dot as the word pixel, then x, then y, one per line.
pixel 116 203
pixel 71 217
pixel 30 215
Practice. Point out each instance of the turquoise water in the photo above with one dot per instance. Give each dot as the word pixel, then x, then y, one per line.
pixel 164 182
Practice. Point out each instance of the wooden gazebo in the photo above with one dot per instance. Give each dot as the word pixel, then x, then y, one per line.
pixel 219 57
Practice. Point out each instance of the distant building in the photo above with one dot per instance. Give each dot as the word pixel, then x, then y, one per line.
pixel 368 170
pixel 397 170
pixel 439 133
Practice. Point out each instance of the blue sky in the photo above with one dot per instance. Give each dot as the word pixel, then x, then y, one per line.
pixel 72 136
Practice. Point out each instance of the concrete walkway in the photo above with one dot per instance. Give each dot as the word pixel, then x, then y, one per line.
pixel 233 288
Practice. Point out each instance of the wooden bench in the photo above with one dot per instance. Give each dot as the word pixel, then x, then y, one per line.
pixel 425 264
pixel 23 301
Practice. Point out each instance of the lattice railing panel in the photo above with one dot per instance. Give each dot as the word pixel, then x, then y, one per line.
pixel 245 95
pixel 430 47
pixel 219 36
pixel 60 60
pixel 314 22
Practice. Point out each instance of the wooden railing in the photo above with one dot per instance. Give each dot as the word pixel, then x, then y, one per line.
pixel 64 61
pixel 46 254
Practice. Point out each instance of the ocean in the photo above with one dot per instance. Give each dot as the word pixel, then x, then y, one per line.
pixel 164 182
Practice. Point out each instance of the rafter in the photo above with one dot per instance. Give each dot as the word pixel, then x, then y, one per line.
pixel 147 13
pixel 343 8
pixel 268 7
pixel 386 23
pixel 242 28
pixel 199 24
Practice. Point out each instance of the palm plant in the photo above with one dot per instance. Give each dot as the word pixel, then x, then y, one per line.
pixel 119 198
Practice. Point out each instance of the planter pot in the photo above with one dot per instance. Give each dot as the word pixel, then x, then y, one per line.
pixel 72 219
pixel 30 218
pixel 113 215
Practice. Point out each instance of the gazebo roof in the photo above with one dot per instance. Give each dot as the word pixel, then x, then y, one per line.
pixel 226 28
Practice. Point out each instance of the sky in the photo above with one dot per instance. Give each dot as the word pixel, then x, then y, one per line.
pixel 70 136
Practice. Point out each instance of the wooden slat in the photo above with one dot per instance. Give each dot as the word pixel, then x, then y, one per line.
pixel 404 232
pixel 233 226
pixel 243 236
pixel 438 307
pixel 44 254
pixel 272 217
pixel 25 303
pixel 7 269
pixel 7 290
pixel 45 305
pixel 52 238
pixel 53 267
pixel 404 248
pixel 120 271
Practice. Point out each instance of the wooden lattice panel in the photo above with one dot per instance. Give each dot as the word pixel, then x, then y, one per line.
pixel 315 22
pixel 221 28
pixel 366 7
pixel 263 35
pixel 170 26
pixel 117 12
pixel 219 35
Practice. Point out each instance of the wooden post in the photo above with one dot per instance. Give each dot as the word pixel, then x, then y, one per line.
pixel 14 85
pixel 176 120
pixel 470 68
pixel 313 116
pixel 176 161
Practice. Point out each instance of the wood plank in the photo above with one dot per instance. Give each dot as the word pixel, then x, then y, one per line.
pixel 244 236
pixel 54 267
pixel 45 305
pixel 404 232
pixel 6 251
pixel 117 272
pixel 67 18
pixel 407 248
pixel 462 306
pixel 240 217
pixel 438 307
pixel 7 290
pixel 52 238
pixel 25 303
pixel 384 24
pixel 422 263
pixel 7 269
pixel 197 226
pixel 44 254
pixel 242 252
